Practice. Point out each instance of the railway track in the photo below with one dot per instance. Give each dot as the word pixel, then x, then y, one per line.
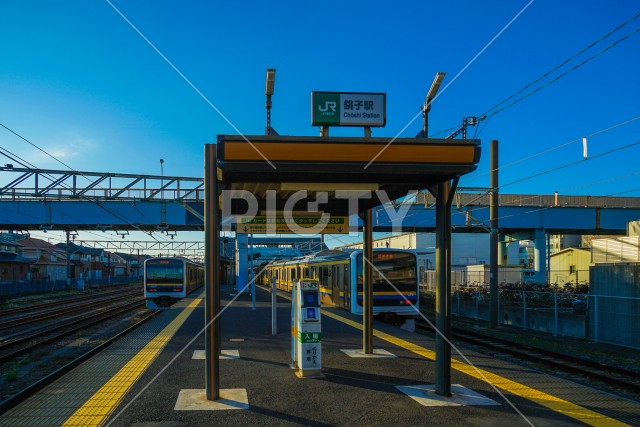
pixel 30 340
pixel 612 375
pixel 30 390
pixel 65 307
pixel 42 306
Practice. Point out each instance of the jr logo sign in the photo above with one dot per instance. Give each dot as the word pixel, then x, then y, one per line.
pixel 328 106
pixel 325 108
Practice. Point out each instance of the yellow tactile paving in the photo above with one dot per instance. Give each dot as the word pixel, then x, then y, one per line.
pixel 554 403
pixel 95 411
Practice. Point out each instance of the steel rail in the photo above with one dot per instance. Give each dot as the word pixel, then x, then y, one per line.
pixel 65 309
pixel 79 324
pixel 612 375
pixel 30 390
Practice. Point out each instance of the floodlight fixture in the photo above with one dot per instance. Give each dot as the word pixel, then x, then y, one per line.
pixel 435 86
pixel 271 81
pixel 433 90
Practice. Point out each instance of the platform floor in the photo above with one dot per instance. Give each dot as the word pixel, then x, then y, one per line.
pixel 117 388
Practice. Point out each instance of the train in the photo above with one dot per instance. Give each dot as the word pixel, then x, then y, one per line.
pixel 395 280
pixel 169 279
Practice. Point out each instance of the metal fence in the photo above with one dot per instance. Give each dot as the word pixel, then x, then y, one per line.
pixel 576 280
pixel 27 287
pixel 614 320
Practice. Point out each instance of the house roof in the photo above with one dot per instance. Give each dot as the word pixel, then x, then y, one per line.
pixel 127 257
pixel 115 259
pixel 31 242
pixel 73 248
pixel 45 259
pixel 8 242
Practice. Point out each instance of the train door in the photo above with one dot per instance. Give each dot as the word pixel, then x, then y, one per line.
pixel 293 277
pixel 346 280
pixel 337 284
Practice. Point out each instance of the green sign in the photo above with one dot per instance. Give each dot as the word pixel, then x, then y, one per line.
pixel 310 337
pixel 280 225
pixel 348 109
pixel 326 109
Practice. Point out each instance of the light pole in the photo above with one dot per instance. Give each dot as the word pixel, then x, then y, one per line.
pixel 435 86
pixel 271 81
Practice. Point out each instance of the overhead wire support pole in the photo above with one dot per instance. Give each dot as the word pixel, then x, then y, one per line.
pixel 367 283
pixel 367 275
pixel 493 241
pixel 212 285
pixel 68 262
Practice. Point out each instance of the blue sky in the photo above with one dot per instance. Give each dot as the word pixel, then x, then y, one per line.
pixel 76 80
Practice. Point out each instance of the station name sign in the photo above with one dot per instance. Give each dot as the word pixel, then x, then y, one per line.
pixel 348 109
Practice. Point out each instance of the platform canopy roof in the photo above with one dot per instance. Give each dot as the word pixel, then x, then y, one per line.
pixel 287 164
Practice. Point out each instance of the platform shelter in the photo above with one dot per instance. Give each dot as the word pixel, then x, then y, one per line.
pixel 272 169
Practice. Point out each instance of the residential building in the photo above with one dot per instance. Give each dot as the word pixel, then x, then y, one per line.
pixel 115 266
pixel 134 263
pixel 48 261
pixel 87 263
pixel 13 267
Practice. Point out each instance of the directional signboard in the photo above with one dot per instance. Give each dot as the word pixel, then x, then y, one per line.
pixel 294 225
pixel 348 109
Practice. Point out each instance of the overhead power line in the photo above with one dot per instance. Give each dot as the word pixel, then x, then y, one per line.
pixel 495 110
pixel 523 159
pixel 566 61
pixel 571 164
pixel 484 116
pixel 97 203
pixel 35 146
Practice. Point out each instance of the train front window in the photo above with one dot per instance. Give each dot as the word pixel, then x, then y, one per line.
pixel 394 278
pixel 165 272
pixel 399 268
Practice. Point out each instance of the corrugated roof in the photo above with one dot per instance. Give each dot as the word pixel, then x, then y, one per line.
pixel 571 249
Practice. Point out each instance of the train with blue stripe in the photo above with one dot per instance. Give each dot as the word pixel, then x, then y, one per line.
pixel 395 279
pixel 169 279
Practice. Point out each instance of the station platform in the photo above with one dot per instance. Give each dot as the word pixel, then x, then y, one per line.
pixel 141 380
